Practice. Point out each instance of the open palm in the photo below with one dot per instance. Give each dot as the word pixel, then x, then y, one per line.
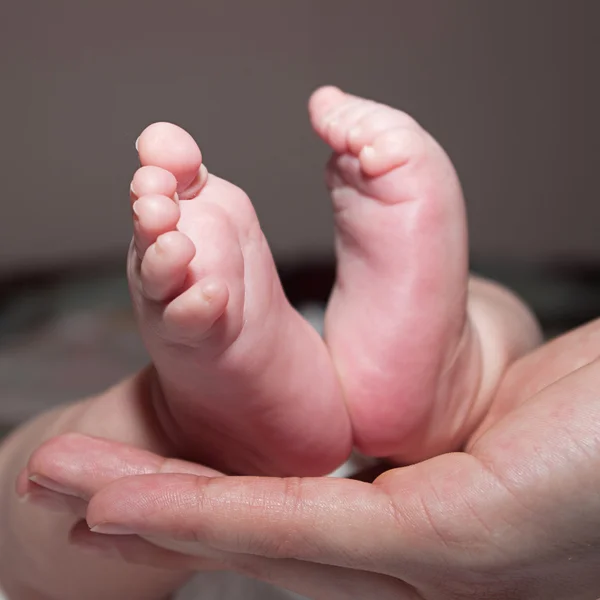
pixel 516 515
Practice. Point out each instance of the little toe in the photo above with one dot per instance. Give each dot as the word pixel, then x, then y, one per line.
pixel 164 268
pixel 152 180
pixel 365 129
pixel 170 147
pixel 153 216
pixel 331 110
pixel 391 150
pixel 191 315
pixel 339 123
pixel 349 123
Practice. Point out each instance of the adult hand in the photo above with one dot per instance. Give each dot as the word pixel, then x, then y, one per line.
pixel 517 515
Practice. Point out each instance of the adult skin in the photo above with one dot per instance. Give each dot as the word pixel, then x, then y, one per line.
pixel 37 562
pixel 516 515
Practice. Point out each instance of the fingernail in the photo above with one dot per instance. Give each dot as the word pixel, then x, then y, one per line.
pixel 48 500
pixel 136 144
pixel 132 189
pixel 111 529
pixel 135 209
pixel 52 485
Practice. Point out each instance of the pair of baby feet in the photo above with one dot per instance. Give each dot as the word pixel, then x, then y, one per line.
pixel 241 381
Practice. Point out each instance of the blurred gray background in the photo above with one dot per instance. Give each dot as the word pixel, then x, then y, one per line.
pixel 509 87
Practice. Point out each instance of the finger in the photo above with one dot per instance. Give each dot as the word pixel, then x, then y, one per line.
pixel 229 514
pixel 334 521
pixel 80 465
pixel 321 582
pixel 47 499
pixel 137 551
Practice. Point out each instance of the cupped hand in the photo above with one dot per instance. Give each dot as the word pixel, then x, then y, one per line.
pixel 516 515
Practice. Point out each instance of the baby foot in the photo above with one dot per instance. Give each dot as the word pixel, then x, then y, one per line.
pixel 396 323
pixel 244 383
